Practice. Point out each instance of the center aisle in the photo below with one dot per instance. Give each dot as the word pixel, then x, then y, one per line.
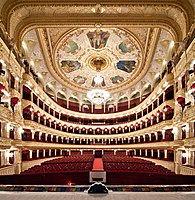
pixel 98 164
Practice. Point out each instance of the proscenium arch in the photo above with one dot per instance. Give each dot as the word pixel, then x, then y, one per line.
pixel 10 6
pixel 114 19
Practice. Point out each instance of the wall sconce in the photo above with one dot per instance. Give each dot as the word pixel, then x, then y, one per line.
pixel 11 154
pixel 185 155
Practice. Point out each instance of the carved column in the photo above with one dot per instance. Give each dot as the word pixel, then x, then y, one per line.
pixel 46 136
pixel 144 138
pixel 191 129
pixel 49 152
pixel 38 101
pixel 178 160
pixel 57 138
pixel 156 136
pixel 150 136
pixel 177 133
pixel 3 158
pixel 32 115
pixel 33 134
pixel 37 153
pixel 146 152
pixel 192 158
pixel 152 153
pixel 31 95
pixel 18 161
pixel 18 132
pixel 138 139
pixel 40 133
pixel 5 129
pixel 163 134
pixel 43 153
pixel 158 153
pixel 165 153
pixel 6 157
pixel 30 154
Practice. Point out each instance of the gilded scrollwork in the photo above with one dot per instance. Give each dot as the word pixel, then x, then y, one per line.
pixel 5 143
pixel 6 113
pixel 174 12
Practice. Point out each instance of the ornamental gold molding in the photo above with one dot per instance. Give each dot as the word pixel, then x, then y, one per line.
pixel 170 103
pixel 174 15
pixel 5 143
pixel 186 58
pixel 154 128
pixel 163 85
pixel 18 118
pixel 6 114
pixel 189 143
pixel 189 114
pixel 13 14
pixel 10 61
pixel 42 145
pixel 3 80
pixel 136 76
pixel 15 93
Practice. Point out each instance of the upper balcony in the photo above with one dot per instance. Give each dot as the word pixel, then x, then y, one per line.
pixel 164 91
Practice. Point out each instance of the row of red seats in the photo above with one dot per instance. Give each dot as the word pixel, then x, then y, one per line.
pixel 58 168
pixel 136 168
pixel 67 159
pixel 131 164
pixel 113 158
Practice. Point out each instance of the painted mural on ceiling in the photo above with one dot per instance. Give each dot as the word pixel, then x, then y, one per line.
pixel 70 65
pixel 117 79
pixel 110 53
pixel 125 46
pixel 70 46
pixel 98 38
pixel 126 66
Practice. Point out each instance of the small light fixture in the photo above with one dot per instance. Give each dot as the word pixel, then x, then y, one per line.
pixel 11 154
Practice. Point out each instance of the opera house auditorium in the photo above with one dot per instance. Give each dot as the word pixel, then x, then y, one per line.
pixel 97 91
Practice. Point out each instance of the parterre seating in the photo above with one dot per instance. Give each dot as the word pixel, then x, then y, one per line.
pixel 60 165
pixel 130 164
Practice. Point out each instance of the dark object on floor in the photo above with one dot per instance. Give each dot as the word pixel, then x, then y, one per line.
pixel 97 188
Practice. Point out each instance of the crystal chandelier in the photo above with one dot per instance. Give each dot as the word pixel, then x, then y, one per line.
pixel 98 96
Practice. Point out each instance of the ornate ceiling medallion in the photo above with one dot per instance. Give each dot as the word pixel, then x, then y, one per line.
pixel 98 63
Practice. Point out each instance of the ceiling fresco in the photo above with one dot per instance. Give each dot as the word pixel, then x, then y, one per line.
pixel 119 47
pixel 113 61
pixel 110 53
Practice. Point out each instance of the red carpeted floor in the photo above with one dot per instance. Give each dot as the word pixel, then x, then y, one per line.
pixel 98 164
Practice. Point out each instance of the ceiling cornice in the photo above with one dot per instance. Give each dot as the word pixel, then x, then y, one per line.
pixel 31 13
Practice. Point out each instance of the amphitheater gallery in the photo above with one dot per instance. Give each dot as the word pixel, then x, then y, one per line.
pixel 97 91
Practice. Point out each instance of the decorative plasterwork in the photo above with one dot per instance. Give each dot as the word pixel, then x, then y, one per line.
pixel 5 143
pixel 149 51
pixel 6 114
pixel 164 84
pixel 40 145
pixel 168 14
pixel 10 61
pixel 157 127
pixel 148 22
pixel 116 53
